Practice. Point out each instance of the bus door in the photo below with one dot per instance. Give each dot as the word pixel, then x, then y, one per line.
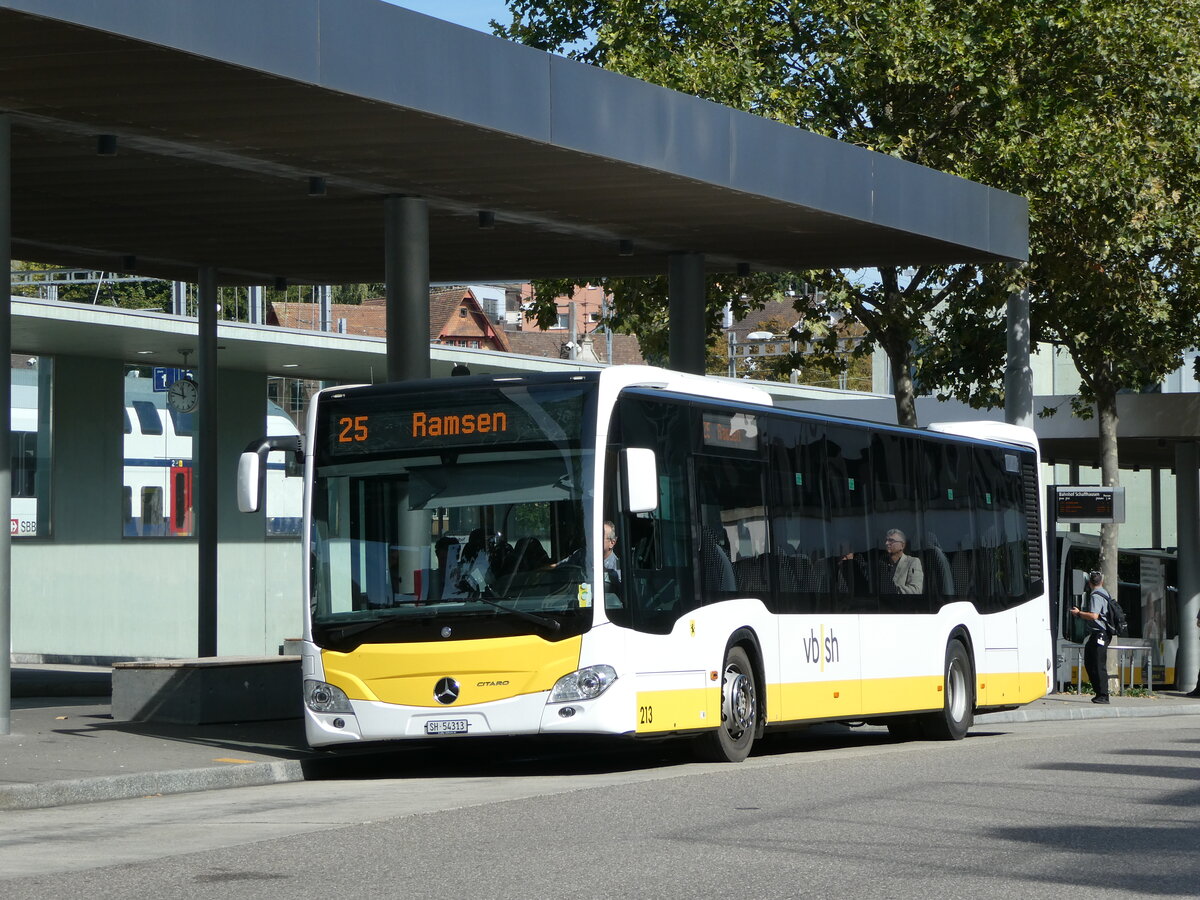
pixel 180 497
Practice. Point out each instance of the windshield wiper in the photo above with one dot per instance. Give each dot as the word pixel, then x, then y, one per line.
pixel 551 624
pixel 340 633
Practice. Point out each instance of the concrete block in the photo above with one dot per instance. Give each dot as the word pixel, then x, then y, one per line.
pixel 207 691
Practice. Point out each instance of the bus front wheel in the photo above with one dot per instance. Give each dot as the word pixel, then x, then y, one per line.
pixel 732 740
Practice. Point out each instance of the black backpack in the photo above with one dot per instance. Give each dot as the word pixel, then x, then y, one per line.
pixel 1115 620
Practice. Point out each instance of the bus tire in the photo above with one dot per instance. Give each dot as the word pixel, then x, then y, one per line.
pixel 732 740
pixel 958 701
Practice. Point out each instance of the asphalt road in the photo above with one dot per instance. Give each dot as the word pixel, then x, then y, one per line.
pixel 1101 808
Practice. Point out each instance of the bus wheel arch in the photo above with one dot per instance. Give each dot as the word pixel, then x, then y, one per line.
pixel 743 702
pixel 958 692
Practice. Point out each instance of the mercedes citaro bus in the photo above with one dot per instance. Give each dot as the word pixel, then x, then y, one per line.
pixel 645 553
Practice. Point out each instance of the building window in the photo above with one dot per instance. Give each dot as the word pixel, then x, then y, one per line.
pixel 158 462
pixel 29 445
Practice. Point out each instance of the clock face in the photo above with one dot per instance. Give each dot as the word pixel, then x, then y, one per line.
pixel 183 395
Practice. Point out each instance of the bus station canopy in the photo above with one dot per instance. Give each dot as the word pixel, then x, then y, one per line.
pixel 261 138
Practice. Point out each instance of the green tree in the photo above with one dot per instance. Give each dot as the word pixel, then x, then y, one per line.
pixel 1091 110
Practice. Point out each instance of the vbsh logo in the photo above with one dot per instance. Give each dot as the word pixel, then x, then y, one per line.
pixel 821 649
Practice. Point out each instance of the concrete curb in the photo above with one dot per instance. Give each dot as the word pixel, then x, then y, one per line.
pixel 147 784
pixel 1079 711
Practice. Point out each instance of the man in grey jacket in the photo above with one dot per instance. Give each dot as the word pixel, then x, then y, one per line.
pixel 1095 648
pixel 902 574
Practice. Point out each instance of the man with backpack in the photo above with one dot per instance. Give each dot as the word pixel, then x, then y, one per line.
pixel 1095 649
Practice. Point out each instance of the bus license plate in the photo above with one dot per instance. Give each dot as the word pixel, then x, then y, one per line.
pixel 446 726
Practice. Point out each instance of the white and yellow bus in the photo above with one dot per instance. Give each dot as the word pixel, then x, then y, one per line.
pixel 457 582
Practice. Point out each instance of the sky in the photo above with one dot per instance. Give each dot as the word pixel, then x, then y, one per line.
pixel 472 13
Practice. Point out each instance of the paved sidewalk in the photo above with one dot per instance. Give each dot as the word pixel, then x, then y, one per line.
pixel 66 748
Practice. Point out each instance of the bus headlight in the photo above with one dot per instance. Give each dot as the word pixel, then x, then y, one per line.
pixel 583 684
pixel 325 698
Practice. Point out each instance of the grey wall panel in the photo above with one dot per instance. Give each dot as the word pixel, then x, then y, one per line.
pixel 926 202
pixel 277 36
pixel 797 166
pixel 610 115
pixel 402 57
pixel 1008 229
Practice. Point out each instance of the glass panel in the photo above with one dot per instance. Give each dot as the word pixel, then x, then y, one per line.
pixel 901 569
pixel 158 461
pixel 733 527
pixel 284 498
pixel 423 522
pixel 148 416
pixel 949 533
pixel 1003 554
pixel 801 554
pixel 29 448
pixel 855 548
pixel 657 565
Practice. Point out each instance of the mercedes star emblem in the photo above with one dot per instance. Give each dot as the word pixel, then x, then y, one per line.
pixel 446 691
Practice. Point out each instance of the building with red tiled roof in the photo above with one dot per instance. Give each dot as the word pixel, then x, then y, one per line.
pixel 593 346
pixel 590 305
pixel 455 318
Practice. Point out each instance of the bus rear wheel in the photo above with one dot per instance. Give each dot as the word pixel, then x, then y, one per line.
pixel 732 740
pixel 958 703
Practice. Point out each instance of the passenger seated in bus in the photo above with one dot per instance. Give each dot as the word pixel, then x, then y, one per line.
pixel 470 570
pixel 899 572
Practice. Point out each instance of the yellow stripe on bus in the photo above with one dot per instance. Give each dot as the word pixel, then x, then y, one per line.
pixel 486 670
pixel 678 710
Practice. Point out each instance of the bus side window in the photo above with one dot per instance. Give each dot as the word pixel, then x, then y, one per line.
pixel 655 550
pixel 944 481
pixel 733 554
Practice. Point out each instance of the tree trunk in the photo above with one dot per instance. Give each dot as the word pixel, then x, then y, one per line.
pixel 1110 476
pixel 902 385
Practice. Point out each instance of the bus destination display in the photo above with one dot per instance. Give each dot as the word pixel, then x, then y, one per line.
pixel 362 426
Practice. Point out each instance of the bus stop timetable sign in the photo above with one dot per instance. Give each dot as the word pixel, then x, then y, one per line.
pixel 1089 504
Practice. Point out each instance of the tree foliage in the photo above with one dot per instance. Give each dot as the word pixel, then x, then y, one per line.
pixel 1089 109
pixel 640 306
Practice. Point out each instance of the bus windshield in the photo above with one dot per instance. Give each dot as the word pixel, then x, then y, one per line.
pixel 461 511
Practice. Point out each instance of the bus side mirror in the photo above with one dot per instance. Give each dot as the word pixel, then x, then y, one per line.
pixel 252 468
pixel 640 477
pixel 249 494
